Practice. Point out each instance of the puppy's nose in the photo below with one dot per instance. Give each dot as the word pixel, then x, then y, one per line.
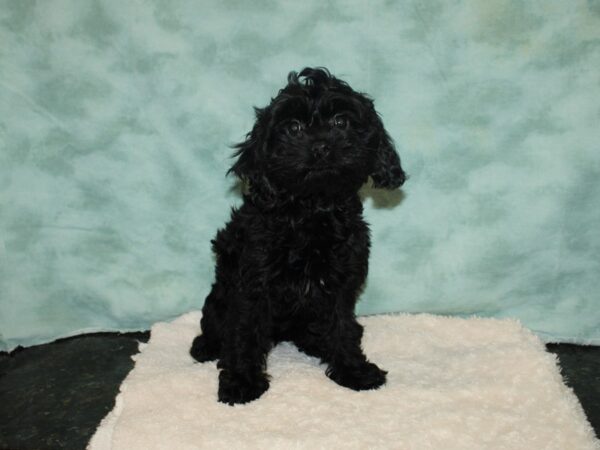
pixel 320 148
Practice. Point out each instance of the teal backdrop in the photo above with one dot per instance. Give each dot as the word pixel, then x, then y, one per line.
pixel 116 119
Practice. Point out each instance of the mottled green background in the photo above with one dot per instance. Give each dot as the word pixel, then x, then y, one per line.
pixel 116 116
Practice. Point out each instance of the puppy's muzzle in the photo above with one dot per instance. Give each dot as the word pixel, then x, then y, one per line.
pixel 321 149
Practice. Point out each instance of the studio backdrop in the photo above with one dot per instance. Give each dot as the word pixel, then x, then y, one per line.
pixel 116 121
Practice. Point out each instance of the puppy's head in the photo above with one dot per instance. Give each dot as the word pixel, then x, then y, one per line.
pixel 318 136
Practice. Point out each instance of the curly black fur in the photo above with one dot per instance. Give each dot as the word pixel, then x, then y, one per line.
pixel 293 258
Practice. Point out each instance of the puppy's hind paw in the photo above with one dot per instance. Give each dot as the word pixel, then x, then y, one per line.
pixel 203 350
pixel 359 378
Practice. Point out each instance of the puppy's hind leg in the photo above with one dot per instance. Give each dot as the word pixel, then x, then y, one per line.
pixel 207 346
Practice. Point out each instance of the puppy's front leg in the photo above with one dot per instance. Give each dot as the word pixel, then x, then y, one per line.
pixel 245 348
pixel 335 336
pixel 348 365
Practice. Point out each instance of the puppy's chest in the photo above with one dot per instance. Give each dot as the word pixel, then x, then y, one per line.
pixel 310 253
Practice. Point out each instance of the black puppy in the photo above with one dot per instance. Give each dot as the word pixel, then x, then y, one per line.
pixel 293 258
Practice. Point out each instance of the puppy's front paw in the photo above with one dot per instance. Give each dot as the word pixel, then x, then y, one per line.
pixel 241 387
pixel 361 377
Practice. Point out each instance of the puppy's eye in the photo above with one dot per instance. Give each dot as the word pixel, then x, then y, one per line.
pixel 294 128
pixel 340 122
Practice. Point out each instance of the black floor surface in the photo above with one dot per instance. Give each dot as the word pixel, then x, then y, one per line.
pixel 53 396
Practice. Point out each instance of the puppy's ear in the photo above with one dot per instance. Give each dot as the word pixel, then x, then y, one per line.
pixel 248 153
pixel 386 172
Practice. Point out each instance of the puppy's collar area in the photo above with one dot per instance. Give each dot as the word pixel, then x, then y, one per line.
pixel 315 204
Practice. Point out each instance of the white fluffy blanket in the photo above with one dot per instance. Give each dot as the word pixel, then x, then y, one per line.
pixel 452 384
